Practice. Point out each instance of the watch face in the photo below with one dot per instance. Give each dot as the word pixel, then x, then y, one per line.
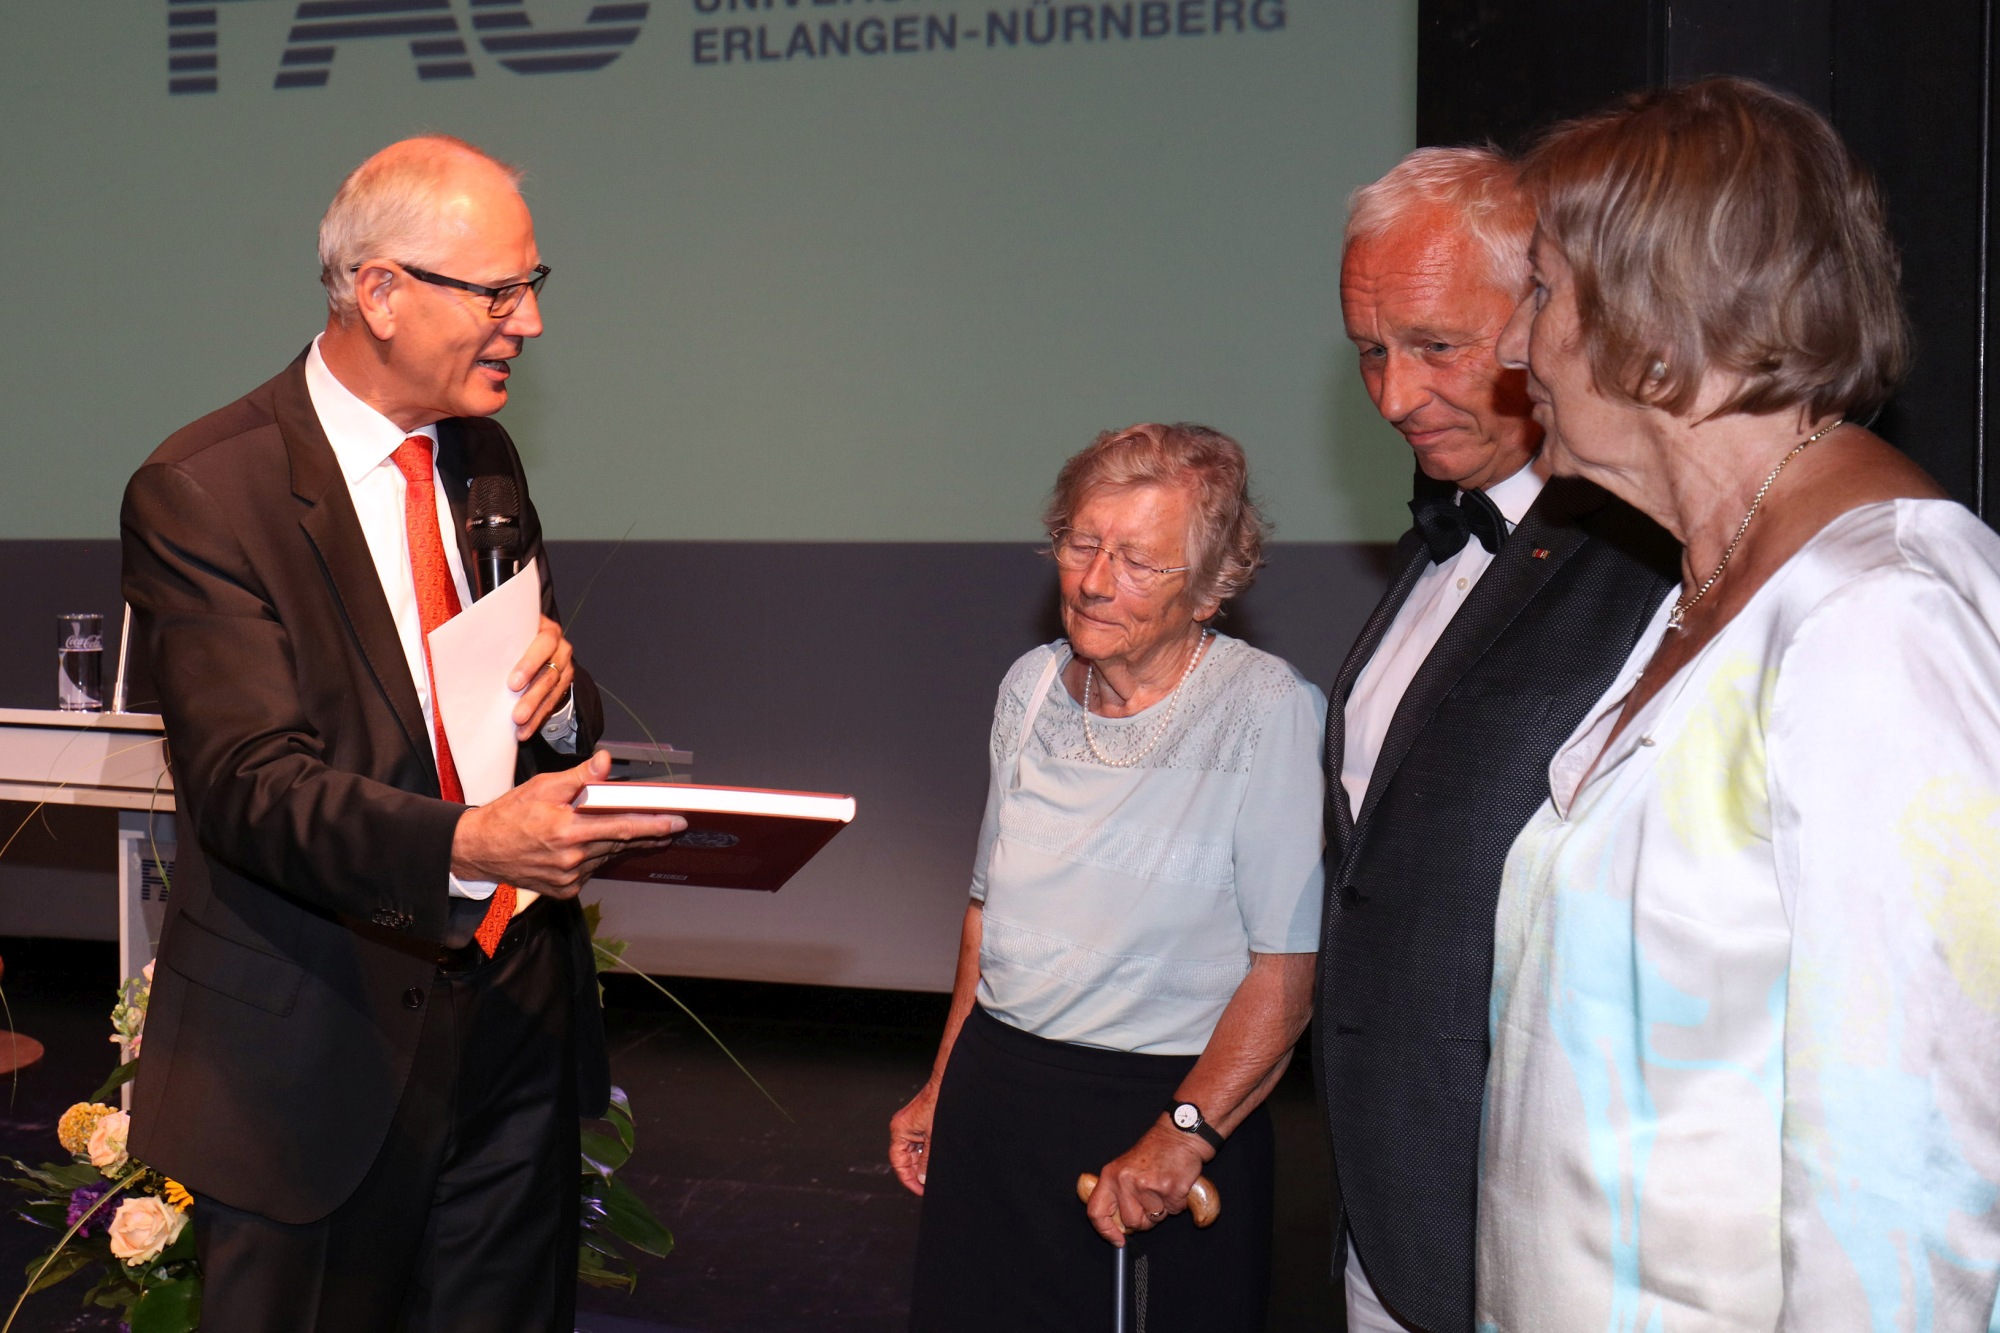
pixel 1186 1116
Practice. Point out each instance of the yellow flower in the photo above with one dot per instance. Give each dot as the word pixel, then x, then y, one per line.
pixel 74 1129
pixel 178 1196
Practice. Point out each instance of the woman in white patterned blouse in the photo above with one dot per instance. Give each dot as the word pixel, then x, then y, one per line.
pixel 1145 906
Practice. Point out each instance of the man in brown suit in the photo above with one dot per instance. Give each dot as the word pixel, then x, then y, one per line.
pixel 374 1023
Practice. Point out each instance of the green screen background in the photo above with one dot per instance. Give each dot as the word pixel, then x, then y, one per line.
pixel 876 298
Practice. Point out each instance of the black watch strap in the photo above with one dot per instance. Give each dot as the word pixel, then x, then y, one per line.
pixel 1187 1117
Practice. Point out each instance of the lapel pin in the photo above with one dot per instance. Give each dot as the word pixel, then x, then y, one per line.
pixel 1539 553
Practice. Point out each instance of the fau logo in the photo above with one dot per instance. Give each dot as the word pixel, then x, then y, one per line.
pixel 437 41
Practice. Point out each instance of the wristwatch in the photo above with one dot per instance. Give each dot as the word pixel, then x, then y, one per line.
pixel 1187 1118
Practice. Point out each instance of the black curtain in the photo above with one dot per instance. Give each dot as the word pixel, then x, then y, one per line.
pixel 1908 83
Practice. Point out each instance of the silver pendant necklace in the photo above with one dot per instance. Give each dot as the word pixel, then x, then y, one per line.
pixel 1173 702
pixel 1687 601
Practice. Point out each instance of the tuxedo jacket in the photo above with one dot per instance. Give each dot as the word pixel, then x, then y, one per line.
pixel 310 900
pixel 1406 959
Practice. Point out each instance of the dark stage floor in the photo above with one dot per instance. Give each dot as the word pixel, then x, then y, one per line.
pixel 782 1226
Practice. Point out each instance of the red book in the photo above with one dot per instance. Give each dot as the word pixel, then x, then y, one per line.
pixel 736 838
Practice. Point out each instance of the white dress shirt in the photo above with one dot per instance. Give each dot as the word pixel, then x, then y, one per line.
pixel 364 444
pixel 1434 599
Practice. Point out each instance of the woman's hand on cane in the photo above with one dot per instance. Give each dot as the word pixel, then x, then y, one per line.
pixel 1148 1184
pixel 910 1139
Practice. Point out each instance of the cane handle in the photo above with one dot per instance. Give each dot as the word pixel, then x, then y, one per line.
pixel 1204 1201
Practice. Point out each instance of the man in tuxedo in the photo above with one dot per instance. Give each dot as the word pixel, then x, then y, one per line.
pixel 1515 601
pixel 374 1023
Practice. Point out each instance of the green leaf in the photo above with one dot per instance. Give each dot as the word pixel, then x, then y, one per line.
pixel 46 1212
pixel 593 1269
pixel 603 1246
pixel 619 1115
pixel 182 1249
pixel 119 1078
pixel 633 1222
pixel 604 1154
pixel 600 1278
pixel 75 1175
pixel 115 1290
pixel 171 1307
pixel 64 1265
pixel 61 1177
pixel 30 1178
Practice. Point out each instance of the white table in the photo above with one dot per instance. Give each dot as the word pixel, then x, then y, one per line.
pixel 118 761
pixel 108 760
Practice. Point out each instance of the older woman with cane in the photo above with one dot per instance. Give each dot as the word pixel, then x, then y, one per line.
pixel 1136 961
pixel 1746 996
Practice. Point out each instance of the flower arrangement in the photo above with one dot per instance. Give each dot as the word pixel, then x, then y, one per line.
pixel 119 1220
pixel 128 1016
pixel 126 1225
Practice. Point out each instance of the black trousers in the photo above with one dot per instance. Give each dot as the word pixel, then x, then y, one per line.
pixel 1003 1245
pixel 467 1222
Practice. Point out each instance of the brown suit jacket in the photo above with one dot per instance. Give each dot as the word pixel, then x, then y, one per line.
pixel 310 896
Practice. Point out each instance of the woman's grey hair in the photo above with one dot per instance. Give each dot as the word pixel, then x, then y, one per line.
pixel 387 208
pixel 1722 226
pixel 1225 531
pixel 1478 186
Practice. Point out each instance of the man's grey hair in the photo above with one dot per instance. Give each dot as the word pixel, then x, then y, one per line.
pixel 1476 185
pixel 387 208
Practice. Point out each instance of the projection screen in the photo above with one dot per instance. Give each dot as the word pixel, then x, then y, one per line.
pixel 829 276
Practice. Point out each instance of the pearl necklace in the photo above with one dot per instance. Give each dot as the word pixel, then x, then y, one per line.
pixel 1687 601
pixel 1173 702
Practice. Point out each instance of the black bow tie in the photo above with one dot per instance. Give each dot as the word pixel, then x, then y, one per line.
pixel 1445 525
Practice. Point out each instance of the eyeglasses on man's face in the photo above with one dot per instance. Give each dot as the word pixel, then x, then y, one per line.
pixel 500 301
pixel 1078 551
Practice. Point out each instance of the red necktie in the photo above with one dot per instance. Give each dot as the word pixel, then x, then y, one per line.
pixel 437 602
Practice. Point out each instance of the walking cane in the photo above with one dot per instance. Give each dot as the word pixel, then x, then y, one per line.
pixel 1204 1203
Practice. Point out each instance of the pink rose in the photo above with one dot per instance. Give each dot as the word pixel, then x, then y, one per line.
pixel 143 1227
pixel 106 1149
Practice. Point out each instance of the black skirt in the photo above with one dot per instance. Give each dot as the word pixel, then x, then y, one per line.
pixel 1004 1244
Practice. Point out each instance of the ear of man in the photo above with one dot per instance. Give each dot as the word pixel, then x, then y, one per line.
pixel 376 287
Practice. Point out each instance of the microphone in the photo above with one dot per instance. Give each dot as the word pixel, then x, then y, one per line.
pixel 493 525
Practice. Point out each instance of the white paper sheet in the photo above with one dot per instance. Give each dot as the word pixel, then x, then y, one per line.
pixel 472 655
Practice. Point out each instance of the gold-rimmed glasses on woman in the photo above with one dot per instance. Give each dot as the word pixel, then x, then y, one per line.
pixel 1079 550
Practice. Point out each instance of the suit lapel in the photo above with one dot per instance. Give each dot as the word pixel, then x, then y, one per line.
pixel 1340 811
pixel 1510 582
pixel 335 532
